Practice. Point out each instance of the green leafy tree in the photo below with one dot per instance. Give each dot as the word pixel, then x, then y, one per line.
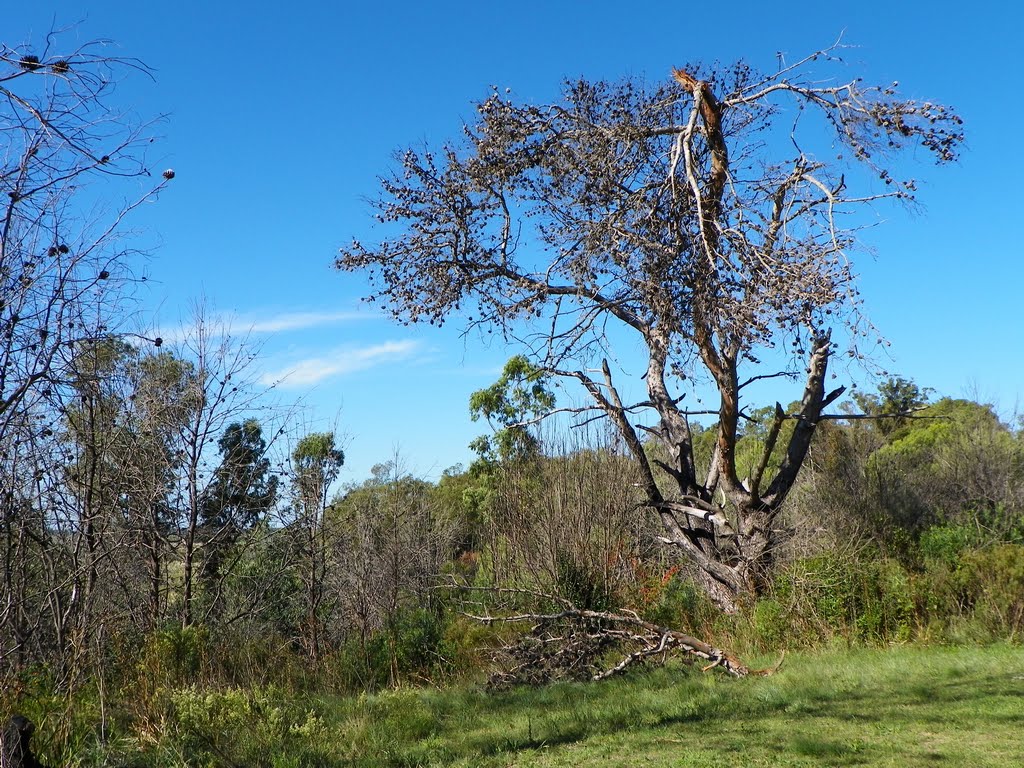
pixel 316 462
pixel 463 499
pixel 517 399
pixel 956 463
pixel 243 487
pixel 242 491
pixel 896 399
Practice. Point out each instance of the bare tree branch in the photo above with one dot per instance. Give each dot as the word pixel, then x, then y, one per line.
pixel 660 218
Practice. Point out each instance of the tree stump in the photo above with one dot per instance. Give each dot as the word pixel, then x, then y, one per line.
pixel 15 751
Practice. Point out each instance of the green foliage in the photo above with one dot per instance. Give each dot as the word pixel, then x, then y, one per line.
pixel 942 561
pixel 415 647
pixel 463 502
pixel 962 591
pixel 953 464
pixel 262 567
pixel 316 461
pixel 885 611
pixel 520 394
pixel 753 440
pixel 176 656
pixel 867 599
pixel 242 488
pixel 769 623
pixel 896 397
pixel 580 584
pixel 946 543
pixel 669 600
pixel 467 646
pixel 234 726
pixel 957 465
pixel 418 642
pixel 997 584
pixel 70 724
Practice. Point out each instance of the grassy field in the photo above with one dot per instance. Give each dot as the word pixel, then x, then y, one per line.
pixel 906 707
pixel 903 707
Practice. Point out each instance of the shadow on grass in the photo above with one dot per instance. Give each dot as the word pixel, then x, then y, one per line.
pixel 869 710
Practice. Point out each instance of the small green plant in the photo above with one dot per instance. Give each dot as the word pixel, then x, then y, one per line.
pixel 770 625
pixel 239 726
pixel 945 543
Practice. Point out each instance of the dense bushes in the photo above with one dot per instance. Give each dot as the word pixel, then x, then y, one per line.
pixel 957 593
pixel 201 699
pixel 957 590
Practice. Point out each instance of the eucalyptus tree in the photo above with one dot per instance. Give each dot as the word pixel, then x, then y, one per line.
pixel 122 433
pixel 243 490
pixel 709 217
pixel 520 394
pixel 315 464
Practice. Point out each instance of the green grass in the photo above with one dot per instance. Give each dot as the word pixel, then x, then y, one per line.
pixel 903 707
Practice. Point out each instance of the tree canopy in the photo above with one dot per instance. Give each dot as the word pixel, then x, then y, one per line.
pixel 704 216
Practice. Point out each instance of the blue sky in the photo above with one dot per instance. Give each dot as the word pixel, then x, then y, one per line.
pixel 281 118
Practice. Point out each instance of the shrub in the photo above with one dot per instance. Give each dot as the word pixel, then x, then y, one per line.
pixel 237 726
pixel 997 582
pixel 413 648
pixel 885 608
pixel 771 626
pixel 945 543
pixel 418 644
pixel 867 598
pixel 176 656
pixel 674 601
pixel 582 585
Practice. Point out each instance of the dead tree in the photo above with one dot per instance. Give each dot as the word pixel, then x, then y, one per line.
pixel 700 221
pixel 65 272
pixel 57 265
pixel 222 389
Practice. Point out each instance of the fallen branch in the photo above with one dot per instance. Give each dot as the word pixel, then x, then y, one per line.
pixel 574 643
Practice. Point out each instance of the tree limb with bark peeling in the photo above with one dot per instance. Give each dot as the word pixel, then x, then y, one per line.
pixel 704 218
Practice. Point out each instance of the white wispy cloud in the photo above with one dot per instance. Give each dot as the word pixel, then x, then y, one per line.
pixel 223 322
pixel 292 321
pixel 305 373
